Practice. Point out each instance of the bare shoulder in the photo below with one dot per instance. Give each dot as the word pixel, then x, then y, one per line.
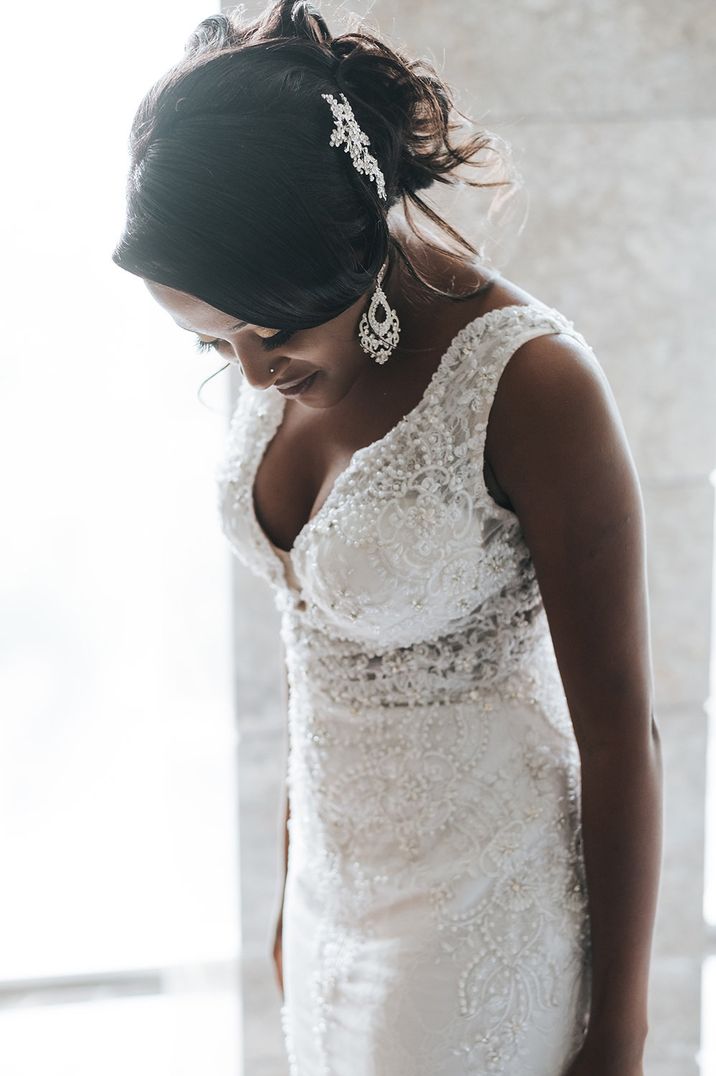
pixel 553 371
pixel 555 430
pixel 560 452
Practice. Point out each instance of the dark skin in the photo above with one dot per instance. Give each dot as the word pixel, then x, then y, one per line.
pixel 556 454
pixel 354 400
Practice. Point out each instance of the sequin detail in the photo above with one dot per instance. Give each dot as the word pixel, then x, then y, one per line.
pixel 436 887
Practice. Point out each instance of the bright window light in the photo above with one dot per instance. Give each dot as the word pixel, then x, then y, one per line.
pixel 118 840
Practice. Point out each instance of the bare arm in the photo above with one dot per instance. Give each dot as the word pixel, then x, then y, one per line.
pixel 278 931
pixel 558 448
pixel 287 814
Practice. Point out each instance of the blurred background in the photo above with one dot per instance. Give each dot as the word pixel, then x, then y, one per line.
pixel 142 731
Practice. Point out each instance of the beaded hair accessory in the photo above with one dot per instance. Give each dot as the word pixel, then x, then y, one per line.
pixel 348 134
pixel 378 338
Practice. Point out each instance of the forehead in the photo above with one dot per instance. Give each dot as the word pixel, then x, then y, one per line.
pixel 190 312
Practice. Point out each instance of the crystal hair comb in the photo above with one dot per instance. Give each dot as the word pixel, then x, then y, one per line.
pixel 348 134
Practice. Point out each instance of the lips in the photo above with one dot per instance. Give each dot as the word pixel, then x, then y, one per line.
pixel 290 384
pixel 292 388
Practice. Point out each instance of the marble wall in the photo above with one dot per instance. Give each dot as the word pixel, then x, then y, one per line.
pixel 609 107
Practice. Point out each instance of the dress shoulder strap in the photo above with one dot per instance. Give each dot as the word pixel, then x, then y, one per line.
pixel 506 333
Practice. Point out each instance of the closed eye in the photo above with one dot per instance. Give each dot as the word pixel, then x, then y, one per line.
pixel 205 345
pixel 268 343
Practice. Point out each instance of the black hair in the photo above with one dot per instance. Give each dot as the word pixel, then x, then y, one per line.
pixel 235 195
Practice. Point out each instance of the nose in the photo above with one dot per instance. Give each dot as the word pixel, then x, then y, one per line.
pixel 259 373
pixel 264 380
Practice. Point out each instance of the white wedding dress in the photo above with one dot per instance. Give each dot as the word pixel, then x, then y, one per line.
pixel 435 914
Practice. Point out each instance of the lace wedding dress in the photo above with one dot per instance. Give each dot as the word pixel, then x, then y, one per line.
pixel 435 913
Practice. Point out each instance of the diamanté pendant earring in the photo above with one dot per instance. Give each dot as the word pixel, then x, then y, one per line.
pixel 379 338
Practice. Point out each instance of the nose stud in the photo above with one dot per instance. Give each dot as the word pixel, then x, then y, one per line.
pixel 241 370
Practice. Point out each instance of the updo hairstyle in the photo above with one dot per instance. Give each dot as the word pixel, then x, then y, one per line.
pixel 235 195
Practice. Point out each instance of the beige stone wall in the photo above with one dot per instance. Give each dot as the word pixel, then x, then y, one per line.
pixel 610 109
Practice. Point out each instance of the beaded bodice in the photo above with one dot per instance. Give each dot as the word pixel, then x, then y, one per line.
pixel 433 771
pixel 409 546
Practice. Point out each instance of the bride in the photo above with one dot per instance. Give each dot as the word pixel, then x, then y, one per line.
pixel 427 466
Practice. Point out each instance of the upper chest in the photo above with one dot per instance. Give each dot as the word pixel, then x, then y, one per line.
pixel 300 467
pixel 301 462
pixel 407 539
pixel 311 448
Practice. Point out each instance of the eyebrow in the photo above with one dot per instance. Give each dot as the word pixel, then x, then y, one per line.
pixel 236 325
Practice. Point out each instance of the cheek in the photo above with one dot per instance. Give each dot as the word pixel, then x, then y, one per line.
pixel 342 360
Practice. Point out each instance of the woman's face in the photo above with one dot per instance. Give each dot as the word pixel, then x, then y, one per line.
pixel 330 351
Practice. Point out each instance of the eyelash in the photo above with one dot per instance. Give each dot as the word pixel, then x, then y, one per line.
pixel 267 343
pixel 204 345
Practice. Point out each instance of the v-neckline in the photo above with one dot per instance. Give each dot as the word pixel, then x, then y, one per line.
pixel 279 403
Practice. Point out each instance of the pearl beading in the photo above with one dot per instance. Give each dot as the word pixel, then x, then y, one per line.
pixel 430 745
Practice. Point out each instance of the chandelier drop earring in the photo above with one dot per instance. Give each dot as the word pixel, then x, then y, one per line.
pixel 379 338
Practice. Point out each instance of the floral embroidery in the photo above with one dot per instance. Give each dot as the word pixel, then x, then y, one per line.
pixel 433 771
